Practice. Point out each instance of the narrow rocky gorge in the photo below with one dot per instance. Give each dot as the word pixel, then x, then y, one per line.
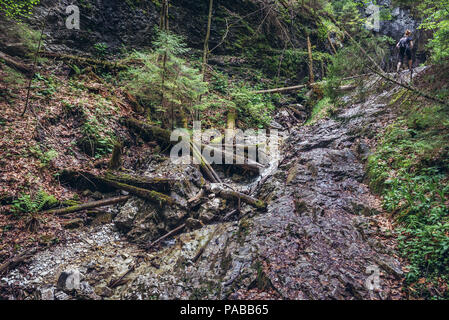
pixel 322 236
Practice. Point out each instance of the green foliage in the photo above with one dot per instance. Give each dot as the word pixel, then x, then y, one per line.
pixel 47 86
pixel 17 9
pixel 437 21
pixel 101 49
pixel 411 170
pixel 31 204
pixel 320 110
pixel 256 109
pixel 14 81
pixel 164 79
pixel 219 82
pixel 44 157
pixel 97 140
pixel 97 136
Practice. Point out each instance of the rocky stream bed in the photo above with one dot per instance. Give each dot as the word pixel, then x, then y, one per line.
pixel 321 236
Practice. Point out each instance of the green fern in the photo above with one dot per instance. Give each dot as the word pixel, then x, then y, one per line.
pixel 28 204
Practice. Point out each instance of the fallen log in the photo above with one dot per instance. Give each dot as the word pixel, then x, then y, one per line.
pixel 86 206
pixel 150 195
pixel 301 86
pixel 162 136
pixel 14 262
pixel 160 184
pixel 148 132
pixel 151 245
pixel 85 61
pixel 238 196
pixel 13 63
pixel 81 178
pixel 204 164
pixel 410 88
pixel 247 164
pixel 196 199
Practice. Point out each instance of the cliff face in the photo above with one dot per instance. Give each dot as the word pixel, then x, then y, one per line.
pixel 399 20
pixel 132 23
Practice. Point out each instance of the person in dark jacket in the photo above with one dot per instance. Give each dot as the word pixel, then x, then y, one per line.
pixel 405 46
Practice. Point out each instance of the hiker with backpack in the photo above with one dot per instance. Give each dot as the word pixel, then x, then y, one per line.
pixel 405 46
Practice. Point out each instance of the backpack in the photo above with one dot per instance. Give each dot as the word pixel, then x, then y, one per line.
pixel 403 43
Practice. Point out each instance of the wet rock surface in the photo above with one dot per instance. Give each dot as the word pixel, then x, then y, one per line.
pixel 321 237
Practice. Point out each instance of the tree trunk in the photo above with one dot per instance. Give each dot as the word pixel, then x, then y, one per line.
pixel 332 45
pixel 84 180
pixel 116 159
pixel 235 195
pixel 13 63
pixel 206 41
pixel 150 195
pixel 206 50
pixel 89 205
pixel 309 49
pixel 232 115
pixel 148 132
pixel 159 184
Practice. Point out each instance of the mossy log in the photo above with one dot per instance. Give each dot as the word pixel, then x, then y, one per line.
pixel 83 179
pixel 150 195
pixel 148 132
pixel 85 61
pixel 159 184
pixel 235 195
pixel 162 136
pixel 13 63
pixel 301 86
pixel 86 206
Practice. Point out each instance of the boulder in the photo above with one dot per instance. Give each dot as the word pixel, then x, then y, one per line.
pixel 69 280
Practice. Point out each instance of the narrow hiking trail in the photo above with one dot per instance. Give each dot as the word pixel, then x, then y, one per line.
pixel 322 237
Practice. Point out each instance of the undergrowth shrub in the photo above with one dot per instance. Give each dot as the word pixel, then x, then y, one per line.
pixel 163 79
pixel 410 169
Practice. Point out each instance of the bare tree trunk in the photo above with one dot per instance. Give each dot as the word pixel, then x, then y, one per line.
pixel 206 41
pixel 10 61
pixel 232 115
pixel 309 49
pixel 164 16
pixel 164 26
pixel 36 55
pixel 206 49
pixel 89 205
